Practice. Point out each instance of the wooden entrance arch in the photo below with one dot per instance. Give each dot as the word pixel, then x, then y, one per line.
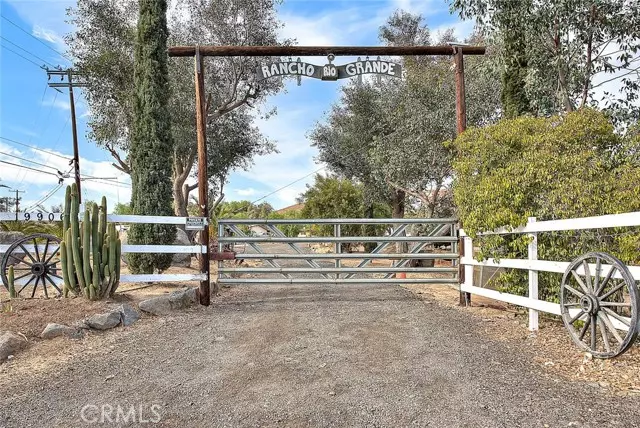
pixel 457 51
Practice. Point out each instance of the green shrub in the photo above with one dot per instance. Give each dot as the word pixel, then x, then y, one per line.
pixel 549 168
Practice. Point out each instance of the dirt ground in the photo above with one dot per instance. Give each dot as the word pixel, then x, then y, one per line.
pixel 321 356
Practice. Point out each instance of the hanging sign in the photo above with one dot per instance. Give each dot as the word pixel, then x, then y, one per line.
pixel 330 71
pixel 194 223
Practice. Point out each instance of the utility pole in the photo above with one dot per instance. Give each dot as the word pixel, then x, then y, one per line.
pixel 17 201
pixel 69 73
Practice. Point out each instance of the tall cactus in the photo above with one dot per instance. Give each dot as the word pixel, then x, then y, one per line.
pixel 90 250
pixel 12 284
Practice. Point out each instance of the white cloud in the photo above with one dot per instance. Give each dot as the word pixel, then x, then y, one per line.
pixel 246 192
pixel 461 29
pixel 61 104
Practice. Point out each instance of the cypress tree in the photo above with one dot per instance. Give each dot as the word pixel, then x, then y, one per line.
pixel 151 141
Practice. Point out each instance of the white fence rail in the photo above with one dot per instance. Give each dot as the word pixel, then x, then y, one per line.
pixel 40 217
pixel 533 265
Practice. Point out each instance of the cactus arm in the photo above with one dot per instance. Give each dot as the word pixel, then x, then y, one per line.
pixel 69 266
pixel 67 209
pixel 12 284
pixel 63 263
pixel 86 248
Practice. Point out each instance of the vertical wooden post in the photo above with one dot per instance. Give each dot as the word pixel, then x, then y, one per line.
pixel 461 105
pixel 461 122
pixel 201 126
pixel 76 155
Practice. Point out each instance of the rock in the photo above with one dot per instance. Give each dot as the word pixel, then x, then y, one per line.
pixel 10 344
pixel 55 330
pixel 105 321
pixel 181 259
pixel 163 305
pixel 183 298
pixel 156 305
pixel 128 315
pixel 9 238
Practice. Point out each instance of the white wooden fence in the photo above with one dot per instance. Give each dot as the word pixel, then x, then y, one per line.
pixel 533 265
pixel 128 219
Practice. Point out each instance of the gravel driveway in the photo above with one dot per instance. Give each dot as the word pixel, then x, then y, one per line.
pixel 295 356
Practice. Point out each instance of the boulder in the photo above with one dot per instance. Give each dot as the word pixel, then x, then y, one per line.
pixel 105 321
pixel 7 238
pixel 128 315
pixel 163 305
pixel 55 330
pixel 181 259
pixel 10 344
pixel 156 305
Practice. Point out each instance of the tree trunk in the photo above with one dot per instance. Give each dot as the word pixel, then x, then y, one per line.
pixel 397 204
pixel 181 170
pixel 369 229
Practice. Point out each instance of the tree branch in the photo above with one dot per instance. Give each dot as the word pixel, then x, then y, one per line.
pixel 121 165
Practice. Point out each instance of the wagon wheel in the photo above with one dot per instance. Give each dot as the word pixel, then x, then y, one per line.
pixel 600 304
pixel 36 261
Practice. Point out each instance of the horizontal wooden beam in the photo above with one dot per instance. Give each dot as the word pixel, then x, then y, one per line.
pixel 323 50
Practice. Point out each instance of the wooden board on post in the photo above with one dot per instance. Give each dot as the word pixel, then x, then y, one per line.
pixel 204 292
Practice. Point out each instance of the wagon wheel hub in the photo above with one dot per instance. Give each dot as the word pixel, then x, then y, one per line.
pixel 589 304
pixel 38 269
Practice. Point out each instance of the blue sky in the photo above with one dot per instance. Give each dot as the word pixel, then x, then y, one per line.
pixel 33 114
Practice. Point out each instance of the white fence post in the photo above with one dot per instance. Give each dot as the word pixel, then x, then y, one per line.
pixel 468 254
pixel 533 277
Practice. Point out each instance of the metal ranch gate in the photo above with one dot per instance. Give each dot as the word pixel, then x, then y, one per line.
pixel 259 251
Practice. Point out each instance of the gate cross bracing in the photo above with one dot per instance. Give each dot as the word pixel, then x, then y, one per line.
pixel 263 253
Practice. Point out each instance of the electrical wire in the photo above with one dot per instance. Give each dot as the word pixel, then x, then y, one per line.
pixel 45 197
pixel 34 148
pixel 32 169
pixel 27 51
pixel 34 37
pixel 21 56
pixel 289 185
pixel 30 161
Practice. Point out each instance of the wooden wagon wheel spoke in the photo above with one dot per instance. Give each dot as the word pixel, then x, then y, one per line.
pixel 579 281
pixel 38 265
pixel 53 283
pixel 18 259
pixel 35 248
pixel 605 281
pixel 27 253
pixel 607 322
pixel 614 296
pixel 53 254
pixel 26 284
pixel 603 331
pixel 35 287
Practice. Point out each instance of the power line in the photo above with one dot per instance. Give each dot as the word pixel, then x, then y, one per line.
pixel 27 167
pixel 22 56
pixel 27 51
pixel 34 148
pixel 45 197
pixel 34 37
pixel 288 185
pixel 30 161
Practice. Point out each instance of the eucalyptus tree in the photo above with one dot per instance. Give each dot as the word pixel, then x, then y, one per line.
pixel 102 45
pixel 568 51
